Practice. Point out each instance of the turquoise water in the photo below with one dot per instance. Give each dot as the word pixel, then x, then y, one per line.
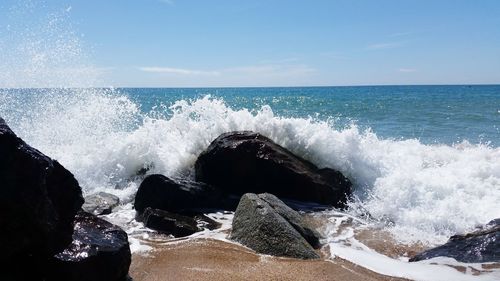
pixel 419 156
pixel 432 114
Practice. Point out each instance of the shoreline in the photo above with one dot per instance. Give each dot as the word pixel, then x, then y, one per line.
pixel 210 259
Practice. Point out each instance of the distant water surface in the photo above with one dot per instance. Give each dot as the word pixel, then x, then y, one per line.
pixel 432 114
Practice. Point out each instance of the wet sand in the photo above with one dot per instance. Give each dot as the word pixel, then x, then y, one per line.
pixel 208 259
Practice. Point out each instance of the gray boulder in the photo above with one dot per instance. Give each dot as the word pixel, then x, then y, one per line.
pixel 101 203
pixel 294 219
pixel 257 225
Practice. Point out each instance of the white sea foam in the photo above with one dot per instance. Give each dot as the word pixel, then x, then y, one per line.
pixel 342 243
pixel 419 192
pixel 423 192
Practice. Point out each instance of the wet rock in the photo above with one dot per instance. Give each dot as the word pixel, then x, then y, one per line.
pixel 169 223
pixel 38 201
pixel 206 222
pixel 260 227
pixel 99 252
pixel 479 246
pixel 241 162
pixel 101 203
pixel 160 192
pixel 294 219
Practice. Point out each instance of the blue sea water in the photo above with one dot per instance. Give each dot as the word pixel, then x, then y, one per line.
pixel 419 156
pixel 431 114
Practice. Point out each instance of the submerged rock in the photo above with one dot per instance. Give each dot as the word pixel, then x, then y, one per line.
pixel 241 162
pixel 169 223
pixel 99 252
pixel 101 203
pixel 476 247
pixel 38 201
pixel 163 193
pixel 260 227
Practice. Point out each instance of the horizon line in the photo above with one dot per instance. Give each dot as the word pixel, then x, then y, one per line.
pixel 234 87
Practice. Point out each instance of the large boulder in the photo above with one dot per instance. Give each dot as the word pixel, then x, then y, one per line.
pixel 479 246
pixel 99 252
pixel 38 201
pixel 100 203
pixel 294 219
pixel 241 162
pixel 163 193
pixel 260 227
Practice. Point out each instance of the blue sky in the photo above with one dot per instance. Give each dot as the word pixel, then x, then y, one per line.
pixel 176 43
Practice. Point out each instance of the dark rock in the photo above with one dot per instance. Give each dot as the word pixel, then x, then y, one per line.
pixel 169 223
pixel 38 201
pixel 99 252
pixel 206 222
pixel 294 219
pixel 476 247
pixel 259 226
pixel 160 192
pixel 101 203
pixel 241 162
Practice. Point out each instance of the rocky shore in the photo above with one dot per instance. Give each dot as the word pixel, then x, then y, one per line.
pixel 58 236
pixel 206 259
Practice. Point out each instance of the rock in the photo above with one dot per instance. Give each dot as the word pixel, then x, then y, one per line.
pixel 259 226
pixel 169 223
pixel 101 203
pixel 241 162
pixel 206 222
pixel 294 219
pixel 476 247
pixel 160 192
pixel 38 201
pixel 99 252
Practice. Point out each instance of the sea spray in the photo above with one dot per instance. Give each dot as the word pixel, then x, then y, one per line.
pixel 40 47
pixel 421 192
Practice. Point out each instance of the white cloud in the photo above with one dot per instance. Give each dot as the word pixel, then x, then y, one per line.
pixel 271 69
pixel 400 34
pixel 179 71
pixel 265 69
pixel 249 75
pixel 407 70
pixel 382 46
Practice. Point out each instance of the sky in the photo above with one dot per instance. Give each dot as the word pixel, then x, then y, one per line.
pixel 232 43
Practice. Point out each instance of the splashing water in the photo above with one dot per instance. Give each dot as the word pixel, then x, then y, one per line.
pixel 424 191
pixel 419 192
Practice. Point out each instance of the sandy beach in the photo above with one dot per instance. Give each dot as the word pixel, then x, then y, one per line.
pixel 208 259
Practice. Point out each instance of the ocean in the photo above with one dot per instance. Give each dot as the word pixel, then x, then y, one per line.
pixel 424 160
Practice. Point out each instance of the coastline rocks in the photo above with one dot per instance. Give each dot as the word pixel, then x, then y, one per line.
pixel 241 162
pixel 294 219
pixel 99 251
pixel 160 192
pixel 476 247
pixel 257 225
pixel 101 203
pixel 169 223
pixel 38 201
